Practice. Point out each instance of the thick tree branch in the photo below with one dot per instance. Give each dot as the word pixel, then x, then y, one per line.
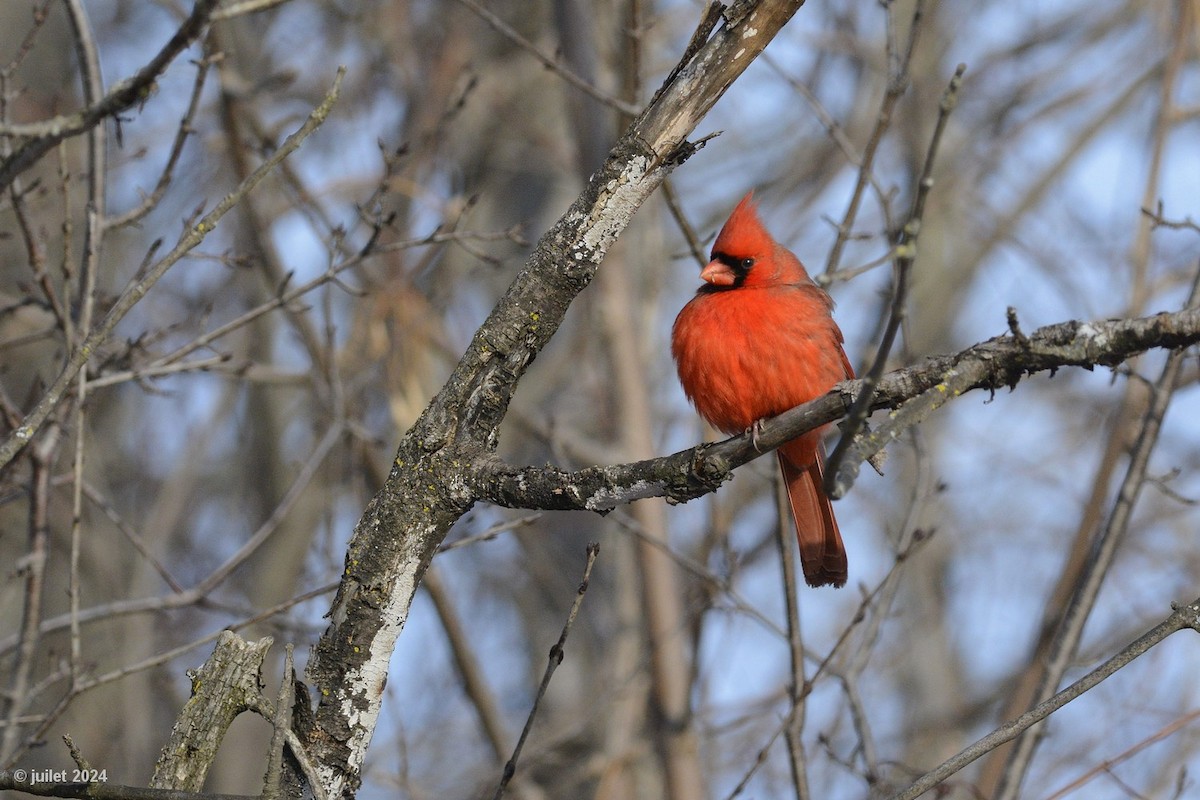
pixel 226 685
pixel 426 491
pixel 914 392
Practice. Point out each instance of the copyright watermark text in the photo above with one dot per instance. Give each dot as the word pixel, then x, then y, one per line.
pixel 28 776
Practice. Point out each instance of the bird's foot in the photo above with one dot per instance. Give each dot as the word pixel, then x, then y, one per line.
pixel 755 430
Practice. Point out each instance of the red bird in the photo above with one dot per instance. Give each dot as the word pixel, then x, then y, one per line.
pixel 757 339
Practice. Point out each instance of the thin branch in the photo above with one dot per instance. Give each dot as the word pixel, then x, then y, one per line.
pixel 1103 551
pixel 555 658
pixel 841 472
pixel 138 289
pixel 1158 220
pixel 689 233
pixel 169 363
pixel 164 657
pixel 271 525
pixel 33 565
pixel 553 64
pixel 154 605
pixel 73 579
pixel 882 601
pixel 106 791
pixel 161 370
pixel 124 95
pixel 1107 764
pixel 151 201
pixel 473 682
pixel 169 655
pixel 736 602
pixel 246 7
pixel 281 723
pixel 1183 617
pixel 491 532
pixel 93 89
pixel 794 729
pixel 897 85
pixel 186 597
pixel 867 602
pixel 40 16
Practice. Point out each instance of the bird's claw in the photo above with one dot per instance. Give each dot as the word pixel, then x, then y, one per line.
pixel 755 430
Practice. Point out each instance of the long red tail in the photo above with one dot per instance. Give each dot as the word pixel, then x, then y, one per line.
pixel 822 554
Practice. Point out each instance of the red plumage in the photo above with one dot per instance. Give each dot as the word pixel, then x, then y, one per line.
pixel 757 339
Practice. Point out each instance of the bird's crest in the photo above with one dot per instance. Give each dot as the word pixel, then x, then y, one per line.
pixel 743 235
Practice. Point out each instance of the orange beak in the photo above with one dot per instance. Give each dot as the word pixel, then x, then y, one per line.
pixel 718 274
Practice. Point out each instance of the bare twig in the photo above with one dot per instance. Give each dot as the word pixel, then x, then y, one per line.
pixel 473 682
pixel 76 753
pixel 685 228
pixel 879 609
pixel 166 656
pixel 169 364
pixel 627 524
pixel 93 89
pixel 125 94
pixel 1159 220
pixel 556 657
pixel 898 80
pixel 34 567
pixel 138 289
pixel 161 370
pixel 281 723
pixel 491 532
pixel 867 602
pixel 1183 617
pixel 1103 551
pixel 151 201
pixel 271 525
pixel 186 597
pixel 1107 764
pixel 246 7
pixel 842 469
pixel 553 64
pixel 794 727
pixel 40 15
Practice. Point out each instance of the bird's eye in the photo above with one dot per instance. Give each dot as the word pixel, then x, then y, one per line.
pixel 746 263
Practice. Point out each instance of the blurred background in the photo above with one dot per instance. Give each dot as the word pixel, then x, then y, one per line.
pixel 249 406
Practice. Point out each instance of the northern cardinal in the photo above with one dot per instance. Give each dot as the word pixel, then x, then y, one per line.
pixel 757 339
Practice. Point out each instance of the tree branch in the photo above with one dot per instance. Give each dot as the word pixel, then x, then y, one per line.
pixel 1183 617
pixel 137 289
pixel 841 471
pixel 915 391
pixel 555 658
pixel 425 493
pixel 1103 551
pixel 227 684
pixel 127 93
pixel 107 791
